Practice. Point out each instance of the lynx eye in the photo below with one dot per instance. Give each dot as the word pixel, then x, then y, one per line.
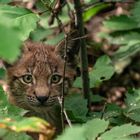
pixel 56 78
pixel 27 78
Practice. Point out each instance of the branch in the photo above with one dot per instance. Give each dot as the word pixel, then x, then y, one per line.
pixel 65 113
pixel 63 83
pixel 83 51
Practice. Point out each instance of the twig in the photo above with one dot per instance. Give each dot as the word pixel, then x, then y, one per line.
pixel 61 98
pixel 40 13
pixel 91 4
pixel 65 113
pixel 83 52
pixel 54 15
pixel 81 37
pixel 103 110
pixel 67 118
pixel 63 83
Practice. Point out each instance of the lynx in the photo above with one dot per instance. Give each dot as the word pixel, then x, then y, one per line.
pixel 35 79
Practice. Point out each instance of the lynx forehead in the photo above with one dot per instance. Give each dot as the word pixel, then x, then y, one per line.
pixel 35 80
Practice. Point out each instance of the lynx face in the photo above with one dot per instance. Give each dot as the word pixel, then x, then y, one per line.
pixel 35 80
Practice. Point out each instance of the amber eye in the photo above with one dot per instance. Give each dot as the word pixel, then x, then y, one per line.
pixel 27 78
pixel 56 78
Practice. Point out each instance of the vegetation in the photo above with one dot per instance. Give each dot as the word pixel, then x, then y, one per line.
pixel 113 43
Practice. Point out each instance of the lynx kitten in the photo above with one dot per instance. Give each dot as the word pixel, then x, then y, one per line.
pixel 35 79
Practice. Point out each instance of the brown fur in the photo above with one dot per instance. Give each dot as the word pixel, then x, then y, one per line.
pixel 41 61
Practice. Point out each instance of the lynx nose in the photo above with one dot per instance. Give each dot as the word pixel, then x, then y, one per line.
pixel 42 99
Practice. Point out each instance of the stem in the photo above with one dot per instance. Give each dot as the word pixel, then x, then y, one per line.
pixel 67 118
pixel 103 111
pixel 63 83
pixel 61 99
pixel 83 52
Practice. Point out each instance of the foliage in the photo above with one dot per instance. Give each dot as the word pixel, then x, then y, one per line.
pixel 2 73
pixel 124 31
pixel 85 131
pixel 31 124
pixel 93 11
pixel 91 131
pixel 11 119
pixel 120 23
pixel 18 24
pixel 121 132
pixel 76 112
pixel 102 70
pixel 133 105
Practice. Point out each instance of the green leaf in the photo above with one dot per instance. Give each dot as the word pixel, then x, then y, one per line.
pixel 90 12
pixel 2 73
pixel 120 23
pixel 7 135
pixel 6 109
pixel 134 115
pixel 88 131
pixel 5 1
pixel 127 51
pixel 40 6
pixel 120 132
pixel 74 133
pixel 122 38
pixel 133 100
pixel 89 1
pixel 96 98
pixel 41 34
pixel 103 70
pixel 20 19
pixel 9 44
pixel 55 40
pixel 133 105
pixel 15 26
pixel 135 12
pixel 31 124
pixel 112 110
pixel 76 106
pixel 129 42
pixel 130 45
pixel 94 127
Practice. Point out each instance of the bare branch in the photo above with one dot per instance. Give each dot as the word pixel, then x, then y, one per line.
pixel 65 113
pixel 83 51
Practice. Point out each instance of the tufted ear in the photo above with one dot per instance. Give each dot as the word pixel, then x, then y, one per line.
pixel 73 46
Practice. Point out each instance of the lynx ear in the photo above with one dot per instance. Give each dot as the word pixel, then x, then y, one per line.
pixel 73 47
